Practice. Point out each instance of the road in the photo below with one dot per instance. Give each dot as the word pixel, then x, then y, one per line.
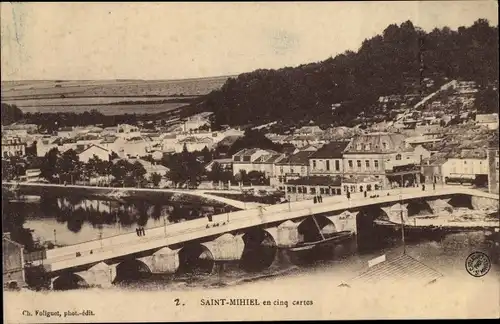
pixel 125 244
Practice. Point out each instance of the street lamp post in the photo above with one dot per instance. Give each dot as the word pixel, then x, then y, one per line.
pixel 100 235
pixel 55 237
pixel 165 225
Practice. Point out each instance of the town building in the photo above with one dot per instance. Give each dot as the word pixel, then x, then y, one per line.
pixel 492 158
pixel 244 159
pixel 360 183
pixel 13 146
pixel 66 132
pixel 94 151
pixel 195 122
pixel 13 262
pixel 32 175
pixel 225 164
pixel 127 131
pixel 327 160
pixel 303 140
pixel 266 163
pixel 466 168
pixel 193 143
pixel 431 169
pixel 307 187
pixel 386 156
pixel 309 130
pixel 487 120
pixel 291 167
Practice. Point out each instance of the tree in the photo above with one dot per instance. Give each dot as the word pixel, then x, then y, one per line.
pixel 207 155
pixel 119 171
pixel 31 149
pixel 13 168
pixel 256 177
pixel 155 179
pixel 215 173
pixel 138 172
pixel 10 114
pixel 185 169
pixel 48 169
pixel 253 139
pixel 390 63
pixel 241 177
pixel 487 101
pixel 69 166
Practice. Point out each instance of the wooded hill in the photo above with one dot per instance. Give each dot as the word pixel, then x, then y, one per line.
pixel 394 62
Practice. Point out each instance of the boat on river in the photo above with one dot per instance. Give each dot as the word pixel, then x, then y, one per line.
pixel 330 239
pixel 333 238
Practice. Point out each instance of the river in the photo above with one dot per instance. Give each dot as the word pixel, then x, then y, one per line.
pixel 166 298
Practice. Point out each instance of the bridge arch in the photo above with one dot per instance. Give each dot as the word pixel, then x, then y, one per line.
pixel 312 228
pixel 196 258
pixel 132 269
pixel 69 280
pixel 260 249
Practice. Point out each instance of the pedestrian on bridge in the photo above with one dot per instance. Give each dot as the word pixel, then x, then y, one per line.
pixel 315 199
pixel 320 198
pixel 137 232
pixel 143 231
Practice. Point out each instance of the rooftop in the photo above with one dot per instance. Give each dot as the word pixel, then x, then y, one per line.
pixel 402 269
pixel 378 143
pixel 299 158
pixel 330 150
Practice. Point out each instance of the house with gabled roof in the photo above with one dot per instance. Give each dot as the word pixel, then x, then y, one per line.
pixel 327 160
pixel 291 167
pixel 244 160
pixel 94 150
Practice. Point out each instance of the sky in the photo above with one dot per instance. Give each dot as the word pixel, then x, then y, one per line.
pixel 85 41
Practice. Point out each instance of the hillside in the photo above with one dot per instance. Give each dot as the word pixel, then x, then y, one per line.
pixel 335 91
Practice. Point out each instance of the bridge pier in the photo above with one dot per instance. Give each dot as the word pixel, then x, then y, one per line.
pixel 396 212
pixel 345 221
pixel 484 203
pixel 439 206
pixel 162 261
pixel 100 275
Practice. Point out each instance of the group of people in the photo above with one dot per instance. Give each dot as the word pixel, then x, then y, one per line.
pixel 140 231
pixel 318 199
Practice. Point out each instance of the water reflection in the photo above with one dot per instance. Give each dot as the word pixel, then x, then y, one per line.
pixel 72 220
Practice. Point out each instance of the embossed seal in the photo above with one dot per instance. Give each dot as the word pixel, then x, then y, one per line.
pixel 477 264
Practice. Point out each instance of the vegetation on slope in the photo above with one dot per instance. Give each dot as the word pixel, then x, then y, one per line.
pixel 394 62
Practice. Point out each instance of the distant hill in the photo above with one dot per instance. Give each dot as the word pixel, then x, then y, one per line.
pixel 394 62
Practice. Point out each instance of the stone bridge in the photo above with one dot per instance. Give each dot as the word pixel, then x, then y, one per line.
pixel 242 236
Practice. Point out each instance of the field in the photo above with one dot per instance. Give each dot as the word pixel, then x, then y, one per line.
pixel 109 97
